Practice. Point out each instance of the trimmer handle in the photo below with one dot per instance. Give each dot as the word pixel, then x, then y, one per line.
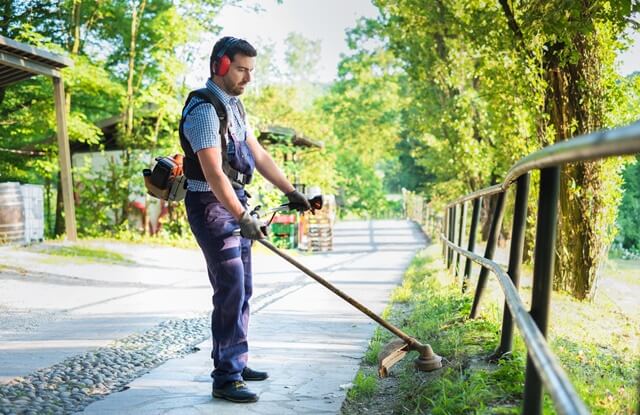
pixel 316 203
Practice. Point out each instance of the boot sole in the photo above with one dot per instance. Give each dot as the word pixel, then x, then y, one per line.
pixel 228 398
pixel 254 379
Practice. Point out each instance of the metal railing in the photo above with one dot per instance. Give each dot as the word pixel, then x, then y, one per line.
pixel 542 369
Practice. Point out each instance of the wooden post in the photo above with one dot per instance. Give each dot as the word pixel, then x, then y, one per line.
pixel 65 160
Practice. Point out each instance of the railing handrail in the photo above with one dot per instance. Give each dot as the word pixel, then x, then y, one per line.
pixel 605 143
pixel 543 369
pixel 564 395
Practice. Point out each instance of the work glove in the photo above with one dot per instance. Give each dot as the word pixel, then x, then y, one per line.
pixel 298 201
pixel 250 226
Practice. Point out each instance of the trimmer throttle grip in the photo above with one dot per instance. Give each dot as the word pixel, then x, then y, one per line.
pixel 315 203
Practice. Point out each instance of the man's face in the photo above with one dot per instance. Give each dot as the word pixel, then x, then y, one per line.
pixel 239 74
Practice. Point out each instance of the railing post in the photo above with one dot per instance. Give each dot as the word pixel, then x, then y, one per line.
pixel 542 277
pixel 475 218
pixel 452 232
pixel 450 214
pixel 425 215
pixel 444 231
pixel 463 219
pixel 515 261
pixel 494 232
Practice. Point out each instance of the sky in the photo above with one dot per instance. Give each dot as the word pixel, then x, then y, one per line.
pixel 323 20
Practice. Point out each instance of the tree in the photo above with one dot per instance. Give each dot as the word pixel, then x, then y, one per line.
pixel 365 108
pixel 302 56
pixel 461 92
pixel 276 105
pixel 125 63
pixel 476 118
pixel 28 104
pixel 574 44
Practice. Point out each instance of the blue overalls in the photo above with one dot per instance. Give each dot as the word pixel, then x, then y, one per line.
pixel 229 267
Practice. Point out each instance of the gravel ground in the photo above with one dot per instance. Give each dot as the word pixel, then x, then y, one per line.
pixel 74 383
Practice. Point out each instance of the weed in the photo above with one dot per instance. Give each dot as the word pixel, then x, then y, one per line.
pixel 364 386
pixel 375 345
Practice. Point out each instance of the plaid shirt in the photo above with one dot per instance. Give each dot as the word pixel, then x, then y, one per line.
pixel 202 127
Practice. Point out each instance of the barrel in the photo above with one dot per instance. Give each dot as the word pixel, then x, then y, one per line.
pixel 11 213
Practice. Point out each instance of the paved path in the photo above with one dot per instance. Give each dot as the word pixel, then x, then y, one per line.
pixel 309 340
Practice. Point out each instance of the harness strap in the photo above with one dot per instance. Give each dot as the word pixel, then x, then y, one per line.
pixel 192 167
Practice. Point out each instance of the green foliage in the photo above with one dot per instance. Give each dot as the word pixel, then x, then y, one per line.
pixel 365 108
pixel 98 37
pixel 279 106
pixel 104 193
pixel 362 191
pixel 470 117
pixel 629 216
pixel 481 392
pixel 602 376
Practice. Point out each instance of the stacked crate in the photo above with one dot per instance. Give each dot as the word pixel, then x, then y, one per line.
pixel 319 234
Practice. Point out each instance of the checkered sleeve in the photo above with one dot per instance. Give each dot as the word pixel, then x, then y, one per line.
pixel 202 127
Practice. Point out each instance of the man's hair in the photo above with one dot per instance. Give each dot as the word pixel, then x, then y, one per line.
pixel 236 46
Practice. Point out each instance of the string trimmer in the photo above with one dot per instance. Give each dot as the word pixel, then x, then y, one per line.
pixel 393 351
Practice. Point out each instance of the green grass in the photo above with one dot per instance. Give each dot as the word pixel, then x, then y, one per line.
pixel 85 253
pixel 164 239
pixel 593 341
pixel 364 386
pixel 624 270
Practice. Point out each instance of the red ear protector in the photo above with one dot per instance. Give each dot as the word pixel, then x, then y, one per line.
pixel 223 62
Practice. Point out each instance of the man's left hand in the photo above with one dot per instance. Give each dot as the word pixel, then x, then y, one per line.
pixel 298 201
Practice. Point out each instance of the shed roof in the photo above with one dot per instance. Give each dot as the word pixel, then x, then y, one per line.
pixel 20 61
pixel 271 133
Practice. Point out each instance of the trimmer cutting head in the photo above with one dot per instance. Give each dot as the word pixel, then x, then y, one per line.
pixel 396 349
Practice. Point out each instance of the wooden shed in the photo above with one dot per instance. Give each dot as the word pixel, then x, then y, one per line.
pixel 19 61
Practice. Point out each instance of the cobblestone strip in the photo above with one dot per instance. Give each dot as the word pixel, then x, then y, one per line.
pixel 74 383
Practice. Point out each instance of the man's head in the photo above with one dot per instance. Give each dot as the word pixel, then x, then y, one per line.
pixel 232 61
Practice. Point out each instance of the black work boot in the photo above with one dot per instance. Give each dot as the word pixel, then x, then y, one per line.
pixel 236 391
pixel 250 374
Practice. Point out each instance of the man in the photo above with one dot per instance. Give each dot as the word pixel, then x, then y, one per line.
pixel 221 152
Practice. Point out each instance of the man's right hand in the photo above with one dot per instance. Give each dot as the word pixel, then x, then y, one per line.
pixel 250 226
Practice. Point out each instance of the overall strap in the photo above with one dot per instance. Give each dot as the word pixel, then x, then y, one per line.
pixel 209 97
pixel 192 167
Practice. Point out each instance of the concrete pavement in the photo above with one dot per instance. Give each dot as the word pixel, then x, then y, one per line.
pixel 308 339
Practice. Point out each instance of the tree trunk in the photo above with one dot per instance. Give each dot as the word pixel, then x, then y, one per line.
pixel 575 102
pixel 74 46
pixel 136 17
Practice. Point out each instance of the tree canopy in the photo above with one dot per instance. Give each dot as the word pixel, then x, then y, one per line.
pixel 438 97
